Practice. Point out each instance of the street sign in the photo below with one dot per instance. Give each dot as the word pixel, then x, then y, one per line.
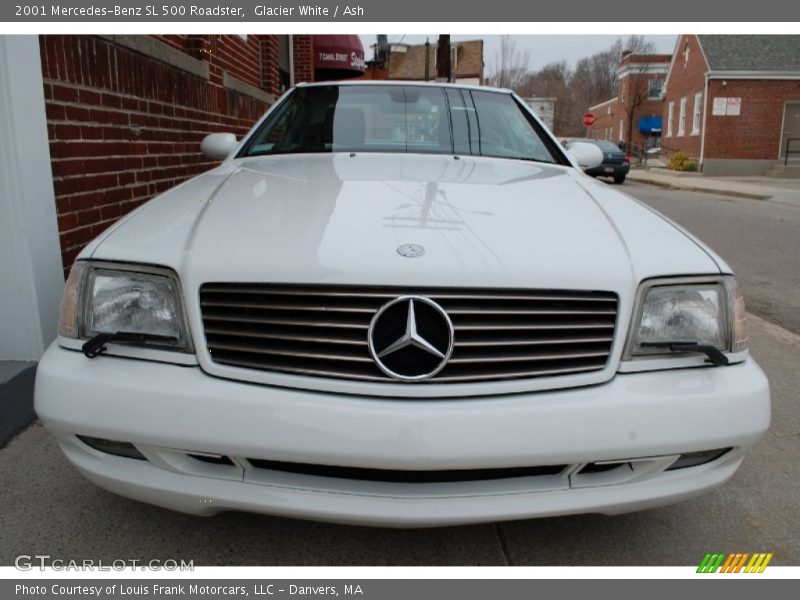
pixel 589 119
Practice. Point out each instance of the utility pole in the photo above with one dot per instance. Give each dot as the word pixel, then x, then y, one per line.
pixel 443 70
pixel 427 59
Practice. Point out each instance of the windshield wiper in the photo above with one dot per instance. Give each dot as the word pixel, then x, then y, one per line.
pixel 715 355
pixel 97 345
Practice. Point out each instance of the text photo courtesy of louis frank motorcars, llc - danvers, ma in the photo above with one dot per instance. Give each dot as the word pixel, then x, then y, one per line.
pixel 313 298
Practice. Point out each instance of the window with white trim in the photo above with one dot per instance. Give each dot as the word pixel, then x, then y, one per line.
pixel 621 121
pixel 654 87
pixel 670 118
pixel 682 118
pixel 696 114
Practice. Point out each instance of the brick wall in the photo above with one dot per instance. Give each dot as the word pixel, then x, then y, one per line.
pixel 632 101
pixel 605 119
pixel 374 71
pixel 124 127
pixel 238 55
pixel 619 112
pixel 686 78
pixel 270 64
pixel 756 133
pixel 303 58
pixel 637 85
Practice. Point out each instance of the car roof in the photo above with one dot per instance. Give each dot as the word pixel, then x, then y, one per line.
pixel 371 82
pixel 591 141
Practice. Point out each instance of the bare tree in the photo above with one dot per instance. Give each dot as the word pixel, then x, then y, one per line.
pixel 592 81
pixel 554 80
pixel 595 77
pixel 510 66
pixel 634 89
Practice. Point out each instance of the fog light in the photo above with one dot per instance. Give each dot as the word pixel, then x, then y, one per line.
pixel 112 447
pixel 693 459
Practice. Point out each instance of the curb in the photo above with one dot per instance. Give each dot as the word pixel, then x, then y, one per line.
pixel 690 188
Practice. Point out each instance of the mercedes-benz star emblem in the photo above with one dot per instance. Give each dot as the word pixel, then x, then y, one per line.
pixel 410 250
pixel 411 338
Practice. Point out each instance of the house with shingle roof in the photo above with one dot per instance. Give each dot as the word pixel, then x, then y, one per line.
pixel 732 102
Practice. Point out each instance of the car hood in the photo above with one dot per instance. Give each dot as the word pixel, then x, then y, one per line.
pixel 340 218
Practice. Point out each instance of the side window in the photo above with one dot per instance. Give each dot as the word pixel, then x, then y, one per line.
pixel 504 130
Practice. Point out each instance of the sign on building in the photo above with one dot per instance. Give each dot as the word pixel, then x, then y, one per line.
pixel 726 107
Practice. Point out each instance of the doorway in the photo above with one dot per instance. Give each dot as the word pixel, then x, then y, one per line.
pixel 791 131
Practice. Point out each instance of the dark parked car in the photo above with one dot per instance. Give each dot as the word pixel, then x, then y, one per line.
pixel 616 163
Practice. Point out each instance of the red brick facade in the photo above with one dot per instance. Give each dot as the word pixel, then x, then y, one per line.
pixel 756 133
pixel 606 126
pixel 125 125
pixel 640 81
pixel 303 58
pixel 753 135
pixel 686 78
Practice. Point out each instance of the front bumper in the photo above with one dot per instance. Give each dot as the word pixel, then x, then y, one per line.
pixel 618 170
pixel 168 410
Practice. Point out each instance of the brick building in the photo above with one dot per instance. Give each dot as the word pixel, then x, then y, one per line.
pixel 732 101
pixel 633 115
pixel 406 62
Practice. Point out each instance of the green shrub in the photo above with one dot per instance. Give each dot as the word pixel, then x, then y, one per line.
pixel 681 162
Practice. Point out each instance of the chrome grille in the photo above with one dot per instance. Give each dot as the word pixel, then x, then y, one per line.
pixel 322 330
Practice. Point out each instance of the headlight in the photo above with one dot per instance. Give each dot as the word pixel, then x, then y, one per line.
pixel 110 298
pixel 702 311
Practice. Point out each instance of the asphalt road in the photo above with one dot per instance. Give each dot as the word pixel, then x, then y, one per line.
pixel 47 508
pixel 759 239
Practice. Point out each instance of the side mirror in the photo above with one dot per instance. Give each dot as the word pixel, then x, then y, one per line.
pixel 217 146
pixel 587 156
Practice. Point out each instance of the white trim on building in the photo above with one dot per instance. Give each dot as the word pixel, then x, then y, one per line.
pixel 696 112
pixel 670 118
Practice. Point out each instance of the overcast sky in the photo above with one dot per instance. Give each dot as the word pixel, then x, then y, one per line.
pixel 544 48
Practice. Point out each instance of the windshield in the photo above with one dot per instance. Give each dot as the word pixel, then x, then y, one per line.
pixel 433 120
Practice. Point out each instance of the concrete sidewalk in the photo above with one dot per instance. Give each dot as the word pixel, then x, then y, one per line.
pixel 785 191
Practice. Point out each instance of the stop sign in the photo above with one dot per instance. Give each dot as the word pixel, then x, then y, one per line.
pixel 589 119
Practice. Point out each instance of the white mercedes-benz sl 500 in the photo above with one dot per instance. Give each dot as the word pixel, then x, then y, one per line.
pixel 404 305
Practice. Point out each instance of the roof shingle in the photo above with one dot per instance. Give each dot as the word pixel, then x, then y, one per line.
pixel 751 52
